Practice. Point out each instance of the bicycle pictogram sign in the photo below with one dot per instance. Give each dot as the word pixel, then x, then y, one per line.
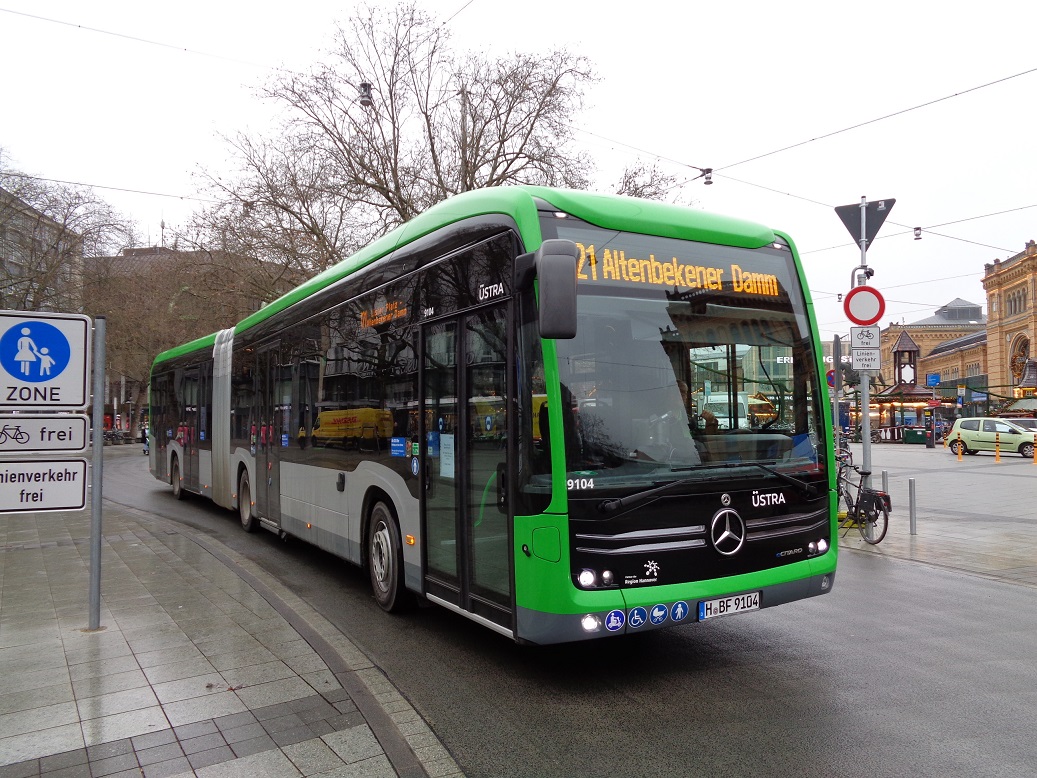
pixel 13 432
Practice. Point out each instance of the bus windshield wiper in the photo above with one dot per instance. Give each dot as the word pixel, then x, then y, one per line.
pixel 619 503
pixel 808 490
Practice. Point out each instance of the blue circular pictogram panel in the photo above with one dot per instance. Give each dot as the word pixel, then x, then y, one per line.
pixel 658 614
pixel 638 617
pixel 614 620
pixel 34 351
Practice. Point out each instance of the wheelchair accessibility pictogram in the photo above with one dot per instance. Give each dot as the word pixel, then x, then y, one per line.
pixel 34 351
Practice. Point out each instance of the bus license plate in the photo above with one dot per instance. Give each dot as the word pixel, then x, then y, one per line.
pixel 726 606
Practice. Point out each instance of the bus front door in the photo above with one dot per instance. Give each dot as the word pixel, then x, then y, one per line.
pixel 465 505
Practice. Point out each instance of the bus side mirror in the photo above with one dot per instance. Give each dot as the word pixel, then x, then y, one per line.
pixel 555 265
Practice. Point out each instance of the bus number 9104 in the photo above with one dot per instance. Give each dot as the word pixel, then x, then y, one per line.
pixel 578 484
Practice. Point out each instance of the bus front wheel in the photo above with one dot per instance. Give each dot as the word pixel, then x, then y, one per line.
pixel 385 559
pixel 248 521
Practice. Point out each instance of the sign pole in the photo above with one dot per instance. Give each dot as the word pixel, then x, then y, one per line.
pixel 837 385
pixel 866 377
pixel 96 472
pixel 854 218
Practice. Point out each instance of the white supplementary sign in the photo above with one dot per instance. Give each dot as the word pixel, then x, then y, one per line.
pixel 44 359
pixel 54 433
pixel 865 358
pixel 42 485
pixel 865 337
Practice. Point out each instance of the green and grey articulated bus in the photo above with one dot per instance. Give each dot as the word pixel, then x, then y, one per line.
pixel 493 408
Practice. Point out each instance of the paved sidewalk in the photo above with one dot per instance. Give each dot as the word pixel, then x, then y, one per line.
pixel 976 515
pixel 205 665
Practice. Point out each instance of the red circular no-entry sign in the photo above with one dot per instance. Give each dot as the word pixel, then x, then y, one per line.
pixel 864 305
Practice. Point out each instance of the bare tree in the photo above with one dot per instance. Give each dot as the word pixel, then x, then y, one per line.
pixel 155 298
pixel 388 123
pixel 46 231
pixel 391 122
pixel 400 123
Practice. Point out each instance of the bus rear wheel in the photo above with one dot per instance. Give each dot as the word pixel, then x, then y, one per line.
pixel 178 486
pixel 385 559
pixel 248 521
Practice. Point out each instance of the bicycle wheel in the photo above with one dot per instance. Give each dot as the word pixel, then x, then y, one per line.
pixel 847 494
pixel 873 521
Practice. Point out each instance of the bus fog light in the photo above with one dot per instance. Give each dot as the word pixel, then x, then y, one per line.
pixel 591 623
pixel 587 578
pixel 607 578
pixel 825 583
pixel 822 546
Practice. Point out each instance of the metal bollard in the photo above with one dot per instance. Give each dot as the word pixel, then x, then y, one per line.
pixel 911 503
pixel 885 482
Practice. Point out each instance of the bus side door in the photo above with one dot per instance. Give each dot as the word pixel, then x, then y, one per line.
pixel 190 429
pixel 269 432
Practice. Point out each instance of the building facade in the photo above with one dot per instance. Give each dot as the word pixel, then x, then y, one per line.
pixel 984 363
pixel 958 320
pixel 41 260
pixel 1011 288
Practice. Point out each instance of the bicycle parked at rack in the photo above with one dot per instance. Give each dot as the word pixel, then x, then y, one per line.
pixel 843 454
pixel 858 435
pixel 867 509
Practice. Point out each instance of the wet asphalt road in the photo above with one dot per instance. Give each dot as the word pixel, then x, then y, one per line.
pixel 904 669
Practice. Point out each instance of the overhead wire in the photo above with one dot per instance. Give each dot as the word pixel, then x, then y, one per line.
pixel 134 38
pixel 702 171
pixel 160 44
pixel 879 119
pixel 111 188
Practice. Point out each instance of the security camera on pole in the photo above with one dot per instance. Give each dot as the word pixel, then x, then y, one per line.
pixel 864 306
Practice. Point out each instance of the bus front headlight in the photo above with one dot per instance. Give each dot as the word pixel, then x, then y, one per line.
pixel 590 623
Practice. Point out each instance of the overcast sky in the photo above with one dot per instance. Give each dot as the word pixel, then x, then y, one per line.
pixel 785 101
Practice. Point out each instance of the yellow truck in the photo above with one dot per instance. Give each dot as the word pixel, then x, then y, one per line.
pixel 353 428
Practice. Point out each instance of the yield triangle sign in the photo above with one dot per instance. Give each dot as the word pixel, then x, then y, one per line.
pixel 875 214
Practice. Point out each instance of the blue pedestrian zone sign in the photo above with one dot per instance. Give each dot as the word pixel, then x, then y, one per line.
pixel 44 360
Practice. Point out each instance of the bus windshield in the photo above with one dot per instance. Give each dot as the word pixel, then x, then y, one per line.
pixel 687 354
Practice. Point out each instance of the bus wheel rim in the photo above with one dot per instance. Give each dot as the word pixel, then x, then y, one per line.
pixel 381 555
